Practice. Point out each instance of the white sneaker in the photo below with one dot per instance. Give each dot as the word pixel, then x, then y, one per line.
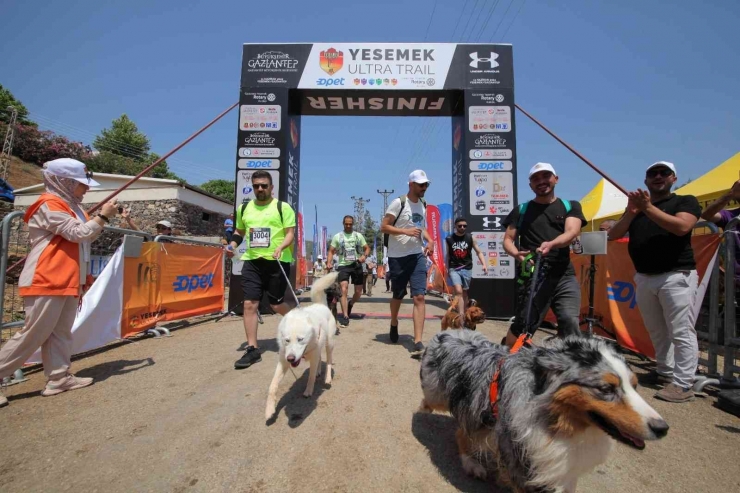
pixel 3 400
pixel 70 382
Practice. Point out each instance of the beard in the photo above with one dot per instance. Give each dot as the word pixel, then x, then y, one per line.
pixel 261 195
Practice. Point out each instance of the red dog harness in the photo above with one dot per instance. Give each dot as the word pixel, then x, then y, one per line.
pixel 522 340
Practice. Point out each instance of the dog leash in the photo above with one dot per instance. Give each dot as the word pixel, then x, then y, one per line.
pixel 525 338
pixel 297 303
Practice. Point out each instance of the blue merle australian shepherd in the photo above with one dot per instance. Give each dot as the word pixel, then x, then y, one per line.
pixel 558 406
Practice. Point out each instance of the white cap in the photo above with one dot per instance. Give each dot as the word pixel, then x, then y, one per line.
pixel 418 176
pixel 70 168
pixel 320 257
pixel 166 224
pixel 542 167
pixel 668 165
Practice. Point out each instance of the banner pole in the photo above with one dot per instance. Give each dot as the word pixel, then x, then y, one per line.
pixel 570 148
pixel 146 170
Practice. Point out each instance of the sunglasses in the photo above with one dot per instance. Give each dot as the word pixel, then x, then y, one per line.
pixel 89 175
pixel 260 186
pixel 462 226
pixel 664 172
pixel 423 185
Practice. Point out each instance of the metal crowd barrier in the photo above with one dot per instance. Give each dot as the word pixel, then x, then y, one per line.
pixel 15 246
pixel 723 334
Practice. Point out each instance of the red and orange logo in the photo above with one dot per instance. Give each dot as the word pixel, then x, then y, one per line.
pixel 331 61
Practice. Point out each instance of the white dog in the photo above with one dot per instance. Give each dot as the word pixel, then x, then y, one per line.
pixel 302 333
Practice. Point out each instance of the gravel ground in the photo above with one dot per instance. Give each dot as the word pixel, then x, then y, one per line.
pixel 172 414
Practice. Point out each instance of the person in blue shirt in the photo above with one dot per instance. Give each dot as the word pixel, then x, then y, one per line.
pixel 229 227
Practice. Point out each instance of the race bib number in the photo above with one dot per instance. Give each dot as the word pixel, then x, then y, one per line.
pixel 259 237
pixel 351 255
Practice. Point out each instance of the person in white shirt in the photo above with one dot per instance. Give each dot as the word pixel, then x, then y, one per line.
pixel 318 267
pixel 405 226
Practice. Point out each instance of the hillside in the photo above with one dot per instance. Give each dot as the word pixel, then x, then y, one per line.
pixel 22 174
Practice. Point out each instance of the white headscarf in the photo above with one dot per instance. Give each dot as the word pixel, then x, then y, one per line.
pixel 64 188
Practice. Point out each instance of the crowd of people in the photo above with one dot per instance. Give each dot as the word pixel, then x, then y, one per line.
pixel 657 224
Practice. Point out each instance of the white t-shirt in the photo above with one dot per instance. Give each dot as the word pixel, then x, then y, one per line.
pixel 412 215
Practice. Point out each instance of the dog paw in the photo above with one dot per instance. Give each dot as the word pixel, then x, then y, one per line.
pixel 423 408
pixel 473 468
pixel 269 412
pixel 307 394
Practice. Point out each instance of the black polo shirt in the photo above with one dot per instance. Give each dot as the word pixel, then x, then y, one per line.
pixel 653 249
pixel 545 222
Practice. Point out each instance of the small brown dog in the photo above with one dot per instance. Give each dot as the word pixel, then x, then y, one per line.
pixel 453 320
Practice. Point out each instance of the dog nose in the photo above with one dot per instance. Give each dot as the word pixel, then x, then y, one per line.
pixel 658 427
pixel 290 358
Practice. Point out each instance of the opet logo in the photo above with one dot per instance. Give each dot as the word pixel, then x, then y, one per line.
pixel 192 282
pixel 622 292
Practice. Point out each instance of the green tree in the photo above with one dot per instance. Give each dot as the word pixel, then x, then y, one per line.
pixel 123 138
pixel 370 229
pixel 223 188
pixel 7 99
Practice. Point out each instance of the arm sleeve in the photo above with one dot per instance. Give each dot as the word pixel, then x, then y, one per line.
pixel 512 218
pixel 288 216
pixel 335 241
pixel 68 227
pixel 363 242
pixel 689 204
pixel 395 208
pixel 577 211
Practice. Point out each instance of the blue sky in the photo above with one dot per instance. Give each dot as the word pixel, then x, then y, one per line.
pixel 627 83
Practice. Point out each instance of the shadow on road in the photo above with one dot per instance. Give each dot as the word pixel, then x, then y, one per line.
pixel 405 340
pixel 436 432
pixel 264 344
pixel 297 407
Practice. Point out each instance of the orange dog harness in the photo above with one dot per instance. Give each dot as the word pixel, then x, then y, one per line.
pixel 522 340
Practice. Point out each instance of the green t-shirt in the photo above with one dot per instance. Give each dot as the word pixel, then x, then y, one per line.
pixel 349 247
pixel 263 230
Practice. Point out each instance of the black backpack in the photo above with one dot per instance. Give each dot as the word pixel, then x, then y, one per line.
pixel 403 203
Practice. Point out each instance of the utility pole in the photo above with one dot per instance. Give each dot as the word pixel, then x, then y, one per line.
pixel 359 210
pixel 385 194
pixel 8 144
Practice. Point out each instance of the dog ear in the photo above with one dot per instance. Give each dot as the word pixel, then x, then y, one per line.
pixel 547 366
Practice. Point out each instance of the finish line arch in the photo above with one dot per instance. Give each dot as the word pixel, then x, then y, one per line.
pixel 473 84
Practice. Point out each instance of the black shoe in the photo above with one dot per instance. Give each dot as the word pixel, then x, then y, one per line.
pixel 394 333
pixel 349 309
pixel 417 351
pixel 342 321
pixel 251 356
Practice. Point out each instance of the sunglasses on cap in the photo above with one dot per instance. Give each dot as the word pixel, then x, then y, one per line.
pixel 664 172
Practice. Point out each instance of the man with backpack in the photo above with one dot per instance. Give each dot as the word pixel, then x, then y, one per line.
pixel 547 225
pixel 352 250
pixel 269 225
pixel 404 229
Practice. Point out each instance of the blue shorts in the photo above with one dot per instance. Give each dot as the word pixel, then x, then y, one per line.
pixel 461 277
pixel 411 268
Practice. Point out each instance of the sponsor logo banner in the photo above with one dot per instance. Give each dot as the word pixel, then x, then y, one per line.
pixel 490 154
pixel 489 243
pixel 489 119
pixel 378 65
pixel 258 163
pixel 346 102
pixel 184 281
pixel 256 152
pixel 258 139
pixel 490 192
pixel 490 140
pixel 490 165
pixel 264 117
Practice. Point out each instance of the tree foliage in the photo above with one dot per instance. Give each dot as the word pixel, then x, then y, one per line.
pixel 223 188
pixel 370 229
pixel 37 147
pixel 7 99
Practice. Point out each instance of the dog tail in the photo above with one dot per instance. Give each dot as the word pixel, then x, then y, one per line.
pixel 319 287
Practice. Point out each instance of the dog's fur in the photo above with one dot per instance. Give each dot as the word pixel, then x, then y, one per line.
pixel 558 406
pixel 303 333
pixel 473 316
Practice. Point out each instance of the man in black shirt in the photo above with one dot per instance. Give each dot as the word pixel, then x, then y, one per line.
pixel 460 246
pixel 547 225
pixel 660 225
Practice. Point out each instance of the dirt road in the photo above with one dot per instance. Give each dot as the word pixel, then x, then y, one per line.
pixel 172 414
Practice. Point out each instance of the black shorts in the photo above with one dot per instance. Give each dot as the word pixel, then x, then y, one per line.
pixel 351 272
pixel 260 275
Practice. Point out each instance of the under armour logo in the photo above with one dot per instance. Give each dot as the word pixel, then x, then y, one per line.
pixel 496 223
pixel 491 61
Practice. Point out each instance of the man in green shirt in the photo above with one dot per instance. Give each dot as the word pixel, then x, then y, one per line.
pixel 352 250
pixel 269 225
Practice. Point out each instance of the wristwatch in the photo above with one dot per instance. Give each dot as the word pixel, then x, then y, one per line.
pixel 104 218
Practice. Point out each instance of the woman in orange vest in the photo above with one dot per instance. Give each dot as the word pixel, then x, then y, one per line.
pixel 56 274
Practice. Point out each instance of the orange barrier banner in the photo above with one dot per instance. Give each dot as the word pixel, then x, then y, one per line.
pixel 436 280
pixel 615 300
pixel 170 282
